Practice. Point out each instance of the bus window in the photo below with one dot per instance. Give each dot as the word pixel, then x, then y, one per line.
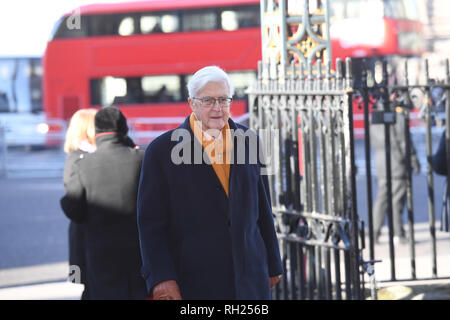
pixel 100 25
pixel 126 26
pixel 151 23
pixel 167 23
pixel 112 24
pixel 241 81
pixel 135 90
pixel 235 18
pixel 162 88
pixel 108 90
pixel 199 20
pixel 229 20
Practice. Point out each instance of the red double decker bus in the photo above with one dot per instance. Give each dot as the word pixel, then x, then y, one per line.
pixel 375 28
pixel 139 56
pixel 366 30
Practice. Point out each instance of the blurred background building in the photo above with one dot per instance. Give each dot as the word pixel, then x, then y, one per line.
pixel 436 16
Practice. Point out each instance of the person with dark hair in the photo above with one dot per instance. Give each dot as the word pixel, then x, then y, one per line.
pixel 101 194
pixel 206 227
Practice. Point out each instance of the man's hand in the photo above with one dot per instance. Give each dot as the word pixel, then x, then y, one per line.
pixel 274 281
pixel 167 290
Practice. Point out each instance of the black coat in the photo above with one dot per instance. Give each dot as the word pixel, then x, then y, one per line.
pixel 214 246
pixel 77 251
pixel 102 194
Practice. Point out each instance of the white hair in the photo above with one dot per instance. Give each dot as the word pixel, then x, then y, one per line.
pixel 205 75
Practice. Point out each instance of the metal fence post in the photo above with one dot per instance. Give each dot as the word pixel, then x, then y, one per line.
pixel 354 218
pixel 430 178
pixel 387 145
pixel 409 195
pixel 365 95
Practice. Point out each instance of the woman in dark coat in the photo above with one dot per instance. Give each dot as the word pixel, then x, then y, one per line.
pixel 102 194
pixel 439 163
pixel 80 139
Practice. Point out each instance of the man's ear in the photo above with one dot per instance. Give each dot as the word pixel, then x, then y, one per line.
pixel 194 107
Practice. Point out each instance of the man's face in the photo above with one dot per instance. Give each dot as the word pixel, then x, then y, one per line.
pixel 213 117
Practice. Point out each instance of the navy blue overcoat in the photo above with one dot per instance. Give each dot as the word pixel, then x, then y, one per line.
pixel 214 246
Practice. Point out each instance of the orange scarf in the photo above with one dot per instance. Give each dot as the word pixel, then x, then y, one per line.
pixel 218 150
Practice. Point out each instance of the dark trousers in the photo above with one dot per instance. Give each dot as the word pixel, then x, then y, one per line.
pixel 381 205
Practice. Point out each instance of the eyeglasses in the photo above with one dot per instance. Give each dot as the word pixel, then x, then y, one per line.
pixel 210 102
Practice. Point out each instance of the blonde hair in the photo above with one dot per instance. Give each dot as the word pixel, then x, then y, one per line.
pixel 81 128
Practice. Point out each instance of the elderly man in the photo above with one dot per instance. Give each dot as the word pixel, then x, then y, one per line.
pixel 205 223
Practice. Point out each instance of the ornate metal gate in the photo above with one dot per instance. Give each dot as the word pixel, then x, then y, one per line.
pixel 308 134
pixel 303 112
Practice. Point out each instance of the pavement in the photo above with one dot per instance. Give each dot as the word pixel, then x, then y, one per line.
pixel 400 285
pixel 415 290
pixel 48 282
pixel 41 282
pixel 61 290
